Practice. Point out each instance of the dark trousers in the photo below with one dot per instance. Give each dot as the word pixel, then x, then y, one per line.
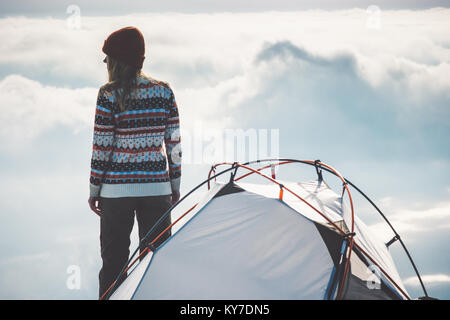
pixel 116 224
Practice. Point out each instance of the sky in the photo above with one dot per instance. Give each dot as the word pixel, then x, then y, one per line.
pixel 363 86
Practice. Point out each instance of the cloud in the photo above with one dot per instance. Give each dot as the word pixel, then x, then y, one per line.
pixel 104 7
pixel 47 226
pixel 326 107
pixel 177 51
pixel 419 221
pixel 21 259
pixel 428 279
pixel 29 108
pixel 285 49
pixel 237 57
pixel 353 93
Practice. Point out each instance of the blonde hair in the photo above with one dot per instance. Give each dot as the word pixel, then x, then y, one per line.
pixel 124 77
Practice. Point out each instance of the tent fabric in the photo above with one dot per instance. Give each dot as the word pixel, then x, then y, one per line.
pixel 126 290
pixel 377 249
pixel 317 193
pixel 242 242
pixel 364 284
pixel 357 290
pixel 128 287
pixel 333 241
pixel 241 246
pixel 322 197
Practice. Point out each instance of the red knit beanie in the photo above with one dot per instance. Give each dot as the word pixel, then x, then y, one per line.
pixel 127 46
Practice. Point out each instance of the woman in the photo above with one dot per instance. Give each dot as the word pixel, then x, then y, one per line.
pixel 135 117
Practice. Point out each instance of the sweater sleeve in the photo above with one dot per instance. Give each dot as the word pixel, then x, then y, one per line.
pixel 102 141
pixel 172 141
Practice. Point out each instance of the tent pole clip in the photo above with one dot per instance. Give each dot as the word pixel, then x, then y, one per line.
pixel 233 173
pixel 318 171
pixel 395 238
pixel 349 234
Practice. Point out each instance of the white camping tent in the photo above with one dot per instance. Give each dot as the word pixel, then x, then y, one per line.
pixel 243 242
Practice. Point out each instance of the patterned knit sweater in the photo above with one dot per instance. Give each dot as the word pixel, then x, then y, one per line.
pixel 138 165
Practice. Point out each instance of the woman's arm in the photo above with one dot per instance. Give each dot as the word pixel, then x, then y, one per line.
pixel 102 141
pixel 172 141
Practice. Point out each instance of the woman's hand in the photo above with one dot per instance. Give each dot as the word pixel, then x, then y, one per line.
pixel 175 197
pixel 94 204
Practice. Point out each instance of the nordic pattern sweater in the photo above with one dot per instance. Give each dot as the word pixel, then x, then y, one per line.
pixel 139 165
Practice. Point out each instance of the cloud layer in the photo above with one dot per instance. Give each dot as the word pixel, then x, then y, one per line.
pixel 429 279
pixel 242 71
pixel 30 108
